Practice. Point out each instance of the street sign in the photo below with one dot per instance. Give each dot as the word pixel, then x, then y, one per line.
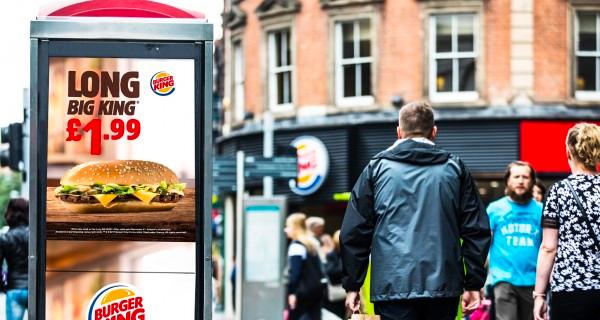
pixel 276 167
pixel 223 165
pixel 224 170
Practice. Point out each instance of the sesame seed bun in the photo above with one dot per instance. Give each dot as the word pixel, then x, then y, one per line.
pixel 123 172
pixel 116 207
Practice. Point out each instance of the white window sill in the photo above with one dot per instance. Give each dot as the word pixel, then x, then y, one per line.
pixel 282 108
pixel 463 96
pixel 587 95
pixel 355 101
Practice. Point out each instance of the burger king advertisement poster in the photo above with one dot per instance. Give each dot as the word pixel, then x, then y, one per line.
pixel 121 141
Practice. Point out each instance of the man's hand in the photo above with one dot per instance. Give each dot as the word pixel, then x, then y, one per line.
pixel 353 301
pixel 292 301
pixel 540 309
pixel 470 301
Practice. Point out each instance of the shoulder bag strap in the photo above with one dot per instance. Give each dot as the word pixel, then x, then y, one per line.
pixel 584 214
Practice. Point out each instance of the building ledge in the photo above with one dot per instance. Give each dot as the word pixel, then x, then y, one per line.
pixel 325 4
pixel 536 112
pixel 275 8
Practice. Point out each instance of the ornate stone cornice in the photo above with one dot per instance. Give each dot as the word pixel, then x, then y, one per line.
pixel 235 17
pixel 273 8
pixel 342 3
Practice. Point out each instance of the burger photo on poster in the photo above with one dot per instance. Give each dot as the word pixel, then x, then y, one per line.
pixel 119 186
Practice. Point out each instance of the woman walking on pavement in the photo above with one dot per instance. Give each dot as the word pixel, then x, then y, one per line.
pixel 336 295
pixel 569 256
pixel 14 249
pixel 306 277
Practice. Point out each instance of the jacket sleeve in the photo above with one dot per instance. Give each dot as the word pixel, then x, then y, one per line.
pixel 475 233
pixel 357 233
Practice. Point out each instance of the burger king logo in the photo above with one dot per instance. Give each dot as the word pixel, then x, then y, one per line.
pixel 162 83
pixel 313 165
pixel 117 301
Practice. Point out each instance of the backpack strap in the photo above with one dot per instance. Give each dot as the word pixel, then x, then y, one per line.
pixel 585 216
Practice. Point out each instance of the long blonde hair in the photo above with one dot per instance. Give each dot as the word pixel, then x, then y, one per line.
pixel 583 141
pixel 336 240
pixel 297 221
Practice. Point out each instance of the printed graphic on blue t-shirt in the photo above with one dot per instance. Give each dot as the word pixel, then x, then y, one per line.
pixel 517 235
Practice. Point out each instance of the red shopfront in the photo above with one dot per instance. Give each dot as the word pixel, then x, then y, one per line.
pixel 542 143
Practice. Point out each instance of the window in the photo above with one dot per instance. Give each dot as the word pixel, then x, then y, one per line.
pixel 587 55
pixel 452 58
pixel 280 70
pixel 238 82
pixel 353 63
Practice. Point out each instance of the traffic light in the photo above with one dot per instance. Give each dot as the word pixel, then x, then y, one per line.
pixel 13 135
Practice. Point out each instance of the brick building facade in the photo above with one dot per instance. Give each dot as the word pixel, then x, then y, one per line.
pixel 522 49
pixel 348 64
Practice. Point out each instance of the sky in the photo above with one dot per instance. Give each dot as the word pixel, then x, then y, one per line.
pixel 14 52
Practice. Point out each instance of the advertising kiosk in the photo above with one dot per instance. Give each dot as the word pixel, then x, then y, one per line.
pixel 121 149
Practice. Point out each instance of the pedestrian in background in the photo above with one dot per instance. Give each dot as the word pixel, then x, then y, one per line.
pixel 539 191
pixel 407 214
pixel 316 227
pixel 517 235
pixel 307 282
pixel 14 246
pixel 336 295
pixel 569 257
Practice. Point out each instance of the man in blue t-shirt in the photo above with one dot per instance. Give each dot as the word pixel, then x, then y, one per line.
pixel 517 235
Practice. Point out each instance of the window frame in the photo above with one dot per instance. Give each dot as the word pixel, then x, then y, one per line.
pixel 238 81
pixel 273 70
pixel 585 95
pixel 339 62
pixel 453 96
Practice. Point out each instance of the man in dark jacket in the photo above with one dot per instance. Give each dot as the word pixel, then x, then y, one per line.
pixel 415 213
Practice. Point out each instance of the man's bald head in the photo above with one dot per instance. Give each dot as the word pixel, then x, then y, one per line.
pixel 415 119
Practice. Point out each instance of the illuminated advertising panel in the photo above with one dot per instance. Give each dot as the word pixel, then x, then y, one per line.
pixel 120 198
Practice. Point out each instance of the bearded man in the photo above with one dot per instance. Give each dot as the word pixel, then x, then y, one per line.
pixel 516 229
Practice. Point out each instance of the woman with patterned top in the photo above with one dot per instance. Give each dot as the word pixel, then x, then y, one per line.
pixel 569 256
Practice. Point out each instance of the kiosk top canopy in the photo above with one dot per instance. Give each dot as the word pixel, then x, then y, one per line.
pixel 121 20
pixel 120 8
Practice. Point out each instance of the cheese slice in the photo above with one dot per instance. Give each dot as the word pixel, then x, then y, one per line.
pixel 105 199
pixel 145 196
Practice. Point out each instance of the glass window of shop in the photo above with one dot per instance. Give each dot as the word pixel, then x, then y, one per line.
pixel 452 58
pixel 280 70
pixel 587 56
pixel 353 63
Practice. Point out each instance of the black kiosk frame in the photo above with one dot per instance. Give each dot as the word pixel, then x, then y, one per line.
pixel 120 38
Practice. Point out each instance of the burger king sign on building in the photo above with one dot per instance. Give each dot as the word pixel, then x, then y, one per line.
pixel 117 301
pixel 313 165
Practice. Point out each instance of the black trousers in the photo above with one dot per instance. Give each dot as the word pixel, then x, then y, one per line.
pixel 306 311
pixel 418 309
pixel 577 305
